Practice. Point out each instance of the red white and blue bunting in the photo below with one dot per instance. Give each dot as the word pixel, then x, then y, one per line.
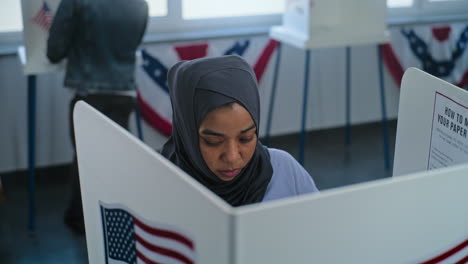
pixel 440 50
pixel 153 92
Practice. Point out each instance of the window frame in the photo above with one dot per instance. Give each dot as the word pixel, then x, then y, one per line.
pixel 444 8
pixel 174 24
pixel 424 10
pixel 8 39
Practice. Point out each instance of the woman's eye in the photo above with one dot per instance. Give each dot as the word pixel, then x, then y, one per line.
pixel 246 140
pixel 212 143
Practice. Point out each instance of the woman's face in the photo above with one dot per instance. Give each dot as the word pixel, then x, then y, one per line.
pixel 227 140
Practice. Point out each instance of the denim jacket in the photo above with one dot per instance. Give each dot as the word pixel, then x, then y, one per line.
pixel 99 39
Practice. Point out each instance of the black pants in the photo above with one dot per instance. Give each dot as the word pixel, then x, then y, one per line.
pixel 117 108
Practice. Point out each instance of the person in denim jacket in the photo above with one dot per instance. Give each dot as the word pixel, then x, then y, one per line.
pixel 99 39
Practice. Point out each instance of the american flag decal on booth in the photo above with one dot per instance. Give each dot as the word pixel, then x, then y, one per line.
pixel 130 239
pixel 44 17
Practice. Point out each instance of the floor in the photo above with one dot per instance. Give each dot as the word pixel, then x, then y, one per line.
pixel 330 163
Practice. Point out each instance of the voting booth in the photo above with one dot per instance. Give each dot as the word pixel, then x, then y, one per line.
pixel 139 206
pixel 332 23
pixel 432 124
pixel 37 19
pixel 313 24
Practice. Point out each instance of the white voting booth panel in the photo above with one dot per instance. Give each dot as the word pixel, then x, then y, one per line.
pixel 118 169
pixel 395 220
pixel 35 33
pixel 432 124
pixel 332 23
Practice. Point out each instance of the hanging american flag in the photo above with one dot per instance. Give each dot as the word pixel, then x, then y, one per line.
pixel 153 92
pixel 130 239
pixel 44 17
pixel 440 50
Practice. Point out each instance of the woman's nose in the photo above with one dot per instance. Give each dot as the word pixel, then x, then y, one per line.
pixel 232 152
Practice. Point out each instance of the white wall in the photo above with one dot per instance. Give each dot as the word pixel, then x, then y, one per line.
pixel 326 102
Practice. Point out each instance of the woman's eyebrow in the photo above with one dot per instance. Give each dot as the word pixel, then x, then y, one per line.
pixel 211 133
pixel 247 129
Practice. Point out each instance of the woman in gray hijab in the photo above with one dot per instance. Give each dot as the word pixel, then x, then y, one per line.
pixel 216 114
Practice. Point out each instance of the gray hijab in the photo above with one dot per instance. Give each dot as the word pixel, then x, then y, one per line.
pixel 198 87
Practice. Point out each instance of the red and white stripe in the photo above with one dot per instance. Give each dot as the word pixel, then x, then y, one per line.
pixel 162 244
pixel 43 19
pixel 455 255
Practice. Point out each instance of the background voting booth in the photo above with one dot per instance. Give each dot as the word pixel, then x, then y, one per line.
pixel 312 24
pixel 37 19
pixel 139 205
pixel 309 24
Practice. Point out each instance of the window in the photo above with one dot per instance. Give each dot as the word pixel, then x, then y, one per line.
pixel 215 9
pixel 190 15
pixel 427 8
pixel 201 15
pixel 157 8
pixel 399 3
pixel 10 16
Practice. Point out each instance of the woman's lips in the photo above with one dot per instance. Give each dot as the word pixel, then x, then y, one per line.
pixel 230 173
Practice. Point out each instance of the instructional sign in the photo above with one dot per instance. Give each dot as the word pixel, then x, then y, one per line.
pixel 449 141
